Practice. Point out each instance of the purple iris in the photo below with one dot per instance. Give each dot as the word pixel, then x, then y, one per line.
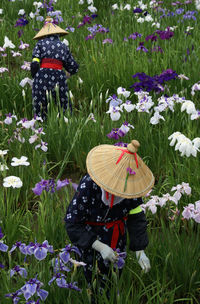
pixel 58 265
pixel 165 35
pixel 130 171
pixel 190 15
pixel 108 40
pixel 151 37
pixel 1 233
pixel 65 252
pixel 21 246
pixel 113 134
pixel 61 184
pixel 137 10
pixel 73 285
pixel 20 33
pixel 141 47
pixel 60 280
pixel 121 259
pixel 39 250
pixel 19 270
pixel 33 286
pixel 49 186
pixel 3 247
pixel 21 22
pixel 154 83
pixel 14 296
pixel 157 48
pixel 121 144
pixel 134 36
pixel 86 19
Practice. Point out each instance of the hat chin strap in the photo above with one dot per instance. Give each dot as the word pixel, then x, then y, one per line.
pixel 112 199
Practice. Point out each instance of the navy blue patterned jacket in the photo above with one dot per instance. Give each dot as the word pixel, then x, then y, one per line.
pixel 87 205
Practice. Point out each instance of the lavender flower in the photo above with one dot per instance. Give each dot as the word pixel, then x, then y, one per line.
pixel 39 250
pixel 65 252
pixel 113 134
pixel 121 144
pixel 3 247
pixel 3 70
pixel 134 36
pixel 114 101
pixel 141 47
pixel 21 246
pixel 58 265
pixel 73 285
pixel 61 184
pixel 33 286
pixel 14 296
pixel 120 261
pixel 23 46
pixel 49 185
pixel 19 270
pixel 107 40
pixel 130 171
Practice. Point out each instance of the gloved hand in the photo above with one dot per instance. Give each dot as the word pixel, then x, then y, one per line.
pixel 143 260
pixel 106 251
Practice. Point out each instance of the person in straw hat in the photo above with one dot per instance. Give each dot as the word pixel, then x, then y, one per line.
pixel 107 204
pixel 50 56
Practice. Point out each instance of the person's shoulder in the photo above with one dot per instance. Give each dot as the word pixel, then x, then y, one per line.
pixel 87 183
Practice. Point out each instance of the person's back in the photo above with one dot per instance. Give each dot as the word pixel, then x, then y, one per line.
pixel 50 56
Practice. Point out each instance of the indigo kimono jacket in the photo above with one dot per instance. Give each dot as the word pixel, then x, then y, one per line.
pixel 46 79
pixel 87 208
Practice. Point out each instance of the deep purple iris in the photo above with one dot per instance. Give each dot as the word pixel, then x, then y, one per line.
pixel 21 22
pixel 86 19
pixel 137 10
pixel 154 83
pixel 151 37
pixel 165 35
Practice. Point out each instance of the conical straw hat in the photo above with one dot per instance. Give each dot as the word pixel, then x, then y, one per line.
pixel 107 165
pixel 49 28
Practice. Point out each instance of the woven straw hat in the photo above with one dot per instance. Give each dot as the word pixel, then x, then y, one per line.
pixel 107 166
pixel 49 28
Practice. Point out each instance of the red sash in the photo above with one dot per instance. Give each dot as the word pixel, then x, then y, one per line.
pixel 50 63
pixel 117 226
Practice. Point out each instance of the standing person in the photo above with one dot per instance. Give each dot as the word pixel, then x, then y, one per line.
pixel 107 204
pixel 50 56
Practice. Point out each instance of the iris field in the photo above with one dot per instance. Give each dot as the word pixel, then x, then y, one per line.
pixel 138 79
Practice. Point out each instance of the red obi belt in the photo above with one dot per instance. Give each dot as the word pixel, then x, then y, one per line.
pixel 118 226
pixel 50 63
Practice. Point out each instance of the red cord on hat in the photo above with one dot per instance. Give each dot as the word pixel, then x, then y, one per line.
pixel 127 151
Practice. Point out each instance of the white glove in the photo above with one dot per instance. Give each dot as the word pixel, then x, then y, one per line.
pixel 106 252
pixel 143 260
